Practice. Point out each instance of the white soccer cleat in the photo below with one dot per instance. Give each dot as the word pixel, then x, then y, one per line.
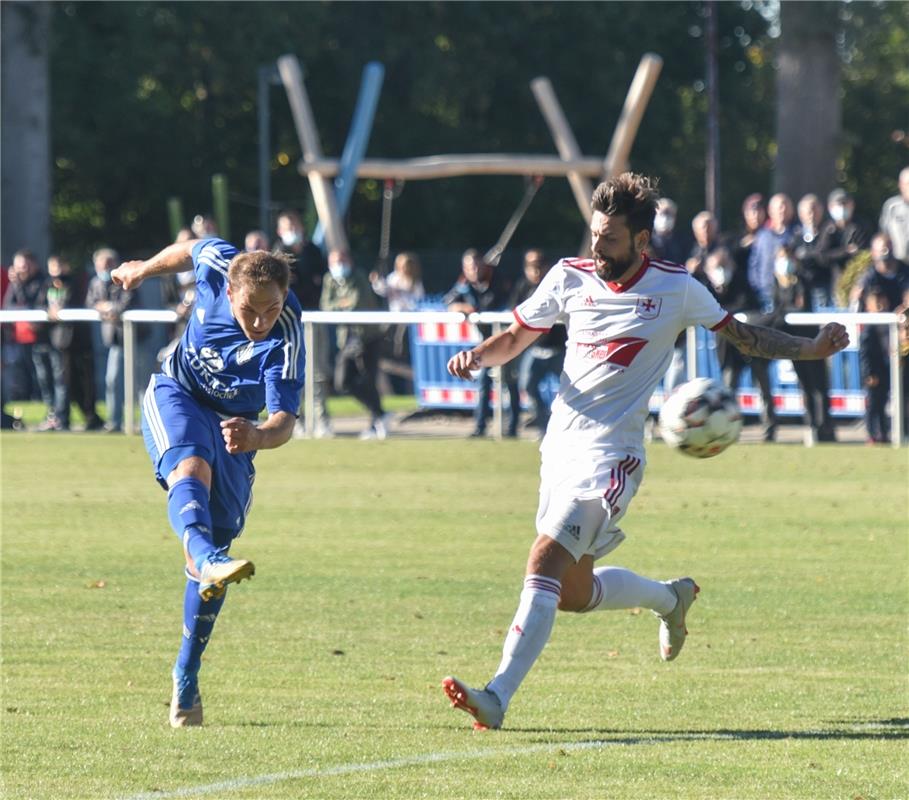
pixel 481 704
pixel 218 570
pixel 672 626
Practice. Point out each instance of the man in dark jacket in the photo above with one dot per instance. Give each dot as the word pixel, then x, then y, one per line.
pixel 110 300
pixel 26 363
pixel 875 369
pixel 841 237
pixel 307 277
pixel 72 356
pixel 480 289
pixel 547 354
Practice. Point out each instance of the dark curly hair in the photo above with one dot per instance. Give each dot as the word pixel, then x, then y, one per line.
pixel 630 195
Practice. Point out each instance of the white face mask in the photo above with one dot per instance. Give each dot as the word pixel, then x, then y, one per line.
pixel 840 213
pixel 291 238
pixel 663 223
pixel 339 271
pixel 784 267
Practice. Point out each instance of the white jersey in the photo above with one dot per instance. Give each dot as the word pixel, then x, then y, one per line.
pixel 620 342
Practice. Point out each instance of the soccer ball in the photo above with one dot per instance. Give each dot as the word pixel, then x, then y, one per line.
pixel 701 418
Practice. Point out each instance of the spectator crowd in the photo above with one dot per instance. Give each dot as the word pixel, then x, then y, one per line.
pixel 813 254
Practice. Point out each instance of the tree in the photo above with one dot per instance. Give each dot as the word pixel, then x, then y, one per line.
pixel 808 103
pixel 25 145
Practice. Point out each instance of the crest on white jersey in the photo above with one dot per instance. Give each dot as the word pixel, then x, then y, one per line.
pixel 648 307
pixel 245 353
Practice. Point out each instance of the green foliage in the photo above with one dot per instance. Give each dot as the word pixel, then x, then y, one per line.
pixel 857 266
pixel 383 566
pixel 150 99
pixel 876 78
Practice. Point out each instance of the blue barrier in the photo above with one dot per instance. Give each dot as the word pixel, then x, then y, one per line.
pixel 432 344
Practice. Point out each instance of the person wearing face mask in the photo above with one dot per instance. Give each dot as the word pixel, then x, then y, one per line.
pixel 110 300
pixel 306 280
pixel 729 285
pixel 842 237
pixel 886 273
pixel 792 294
pixel 668 243
pixel 807 243
pixel 347 288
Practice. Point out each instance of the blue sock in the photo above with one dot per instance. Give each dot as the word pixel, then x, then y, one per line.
pixel 198 621
pixel 190 517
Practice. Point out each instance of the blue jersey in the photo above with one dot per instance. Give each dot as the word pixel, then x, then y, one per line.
pixel 218 365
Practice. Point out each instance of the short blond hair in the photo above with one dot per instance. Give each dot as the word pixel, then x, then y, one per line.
pixel 259 268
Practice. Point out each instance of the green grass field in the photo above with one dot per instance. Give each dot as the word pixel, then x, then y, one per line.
pixel 383 566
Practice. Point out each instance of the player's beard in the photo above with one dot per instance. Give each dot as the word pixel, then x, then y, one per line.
pixel 610 269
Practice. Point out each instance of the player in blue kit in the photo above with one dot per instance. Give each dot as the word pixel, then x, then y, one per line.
pixel 242 351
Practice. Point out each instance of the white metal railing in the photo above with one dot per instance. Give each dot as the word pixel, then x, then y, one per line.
pixel 498 320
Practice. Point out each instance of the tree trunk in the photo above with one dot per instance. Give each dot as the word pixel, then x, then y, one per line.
pixel 25 144
pixel 808 105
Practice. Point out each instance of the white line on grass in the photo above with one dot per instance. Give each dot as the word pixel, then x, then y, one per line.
pixel 376 766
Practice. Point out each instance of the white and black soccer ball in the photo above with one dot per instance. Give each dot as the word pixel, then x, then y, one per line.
pixel 701 418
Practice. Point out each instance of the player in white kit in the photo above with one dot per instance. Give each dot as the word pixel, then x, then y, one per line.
pixel 623 312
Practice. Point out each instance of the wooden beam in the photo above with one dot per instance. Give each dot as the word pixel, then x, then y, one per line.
pixel 636 101
pixel 322 189
pixel 457 164
pixel 566 144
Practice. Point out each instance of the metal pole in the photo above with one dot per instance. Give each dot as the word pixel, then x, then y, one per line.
pixel 174 215
pixel 896 387
pixel 219 193
pixel 691 353
pixel 357 140
pixel 712 171
pixel 309 381
pixel 264 82
pixel 498 426
pixel 129 377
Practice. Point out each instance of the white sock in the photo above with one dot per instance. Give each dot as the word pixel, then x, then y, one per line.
pixel 527 636
pixel 616 587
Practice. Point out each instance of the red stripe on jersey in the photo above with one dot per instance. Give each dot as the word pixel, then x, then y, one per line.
pixel 669 265
pixel 723 322
pixel 523 324
pixel 585 264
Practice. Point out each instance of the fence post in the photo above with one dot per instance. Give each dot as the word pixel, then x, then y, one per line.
pixel 309 381
pixel 498 425
pixel 129 377
pixel 691 353
pixel 896 387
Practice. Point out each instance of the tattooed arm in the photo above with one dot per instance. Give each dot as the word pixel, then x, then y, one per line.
pixel 755 340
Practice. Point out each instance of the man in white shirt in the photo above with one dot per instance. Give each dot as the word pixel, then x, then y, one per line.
pixel 895 218
pixel 623 312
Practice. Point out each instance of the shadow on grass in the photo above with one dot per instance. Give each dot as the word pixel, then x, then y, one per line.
pixel 880 729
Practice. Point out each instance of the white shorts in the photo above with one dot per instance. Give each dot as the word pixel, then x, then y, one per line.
pixel 582 513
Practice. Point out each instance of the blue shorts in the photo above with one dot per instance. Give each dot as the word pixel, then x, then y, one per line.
pixel 173 418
